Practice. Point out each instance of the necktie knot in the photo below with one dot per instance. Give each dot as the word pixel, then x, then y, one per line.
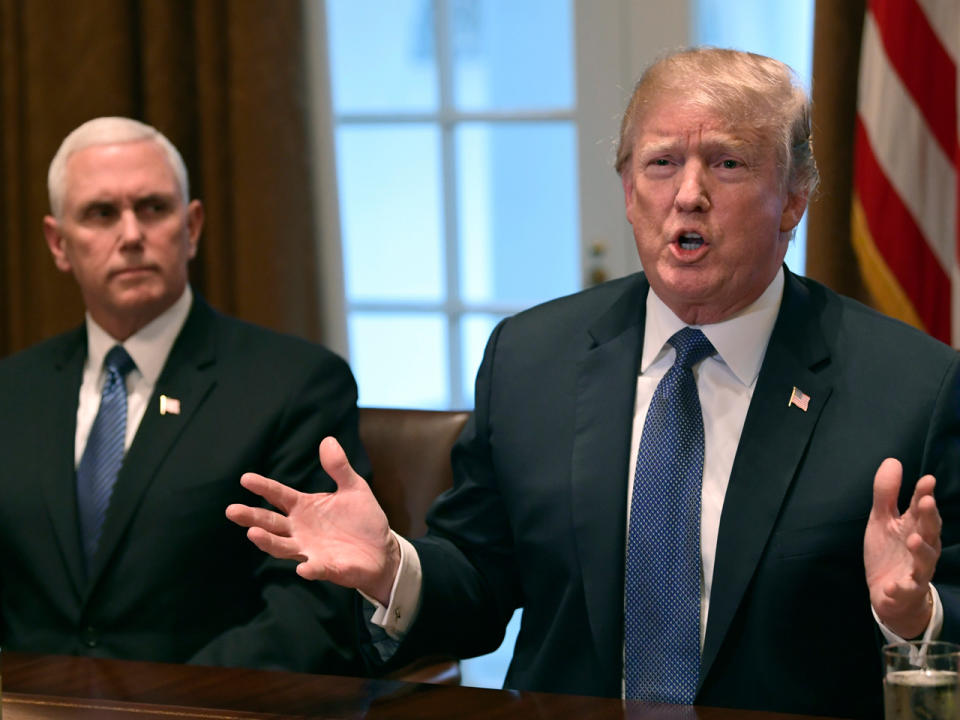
pixel 691 345
pixel 118 360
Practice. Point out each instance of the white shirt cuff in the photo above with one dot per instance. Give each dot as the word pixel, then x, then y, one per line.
pixel 933 627
pixel 404 603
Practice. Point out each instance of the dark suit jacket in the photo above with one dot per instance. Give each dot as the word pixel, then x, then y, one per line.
pixel 537 515
pixel 173 579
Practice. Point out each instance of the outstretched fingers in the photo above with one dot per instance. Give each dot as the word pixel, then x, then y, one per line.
pixel 334 461
pixel 284 548
pixel 886 486
pixel 925 556
pixel 923 506
pixel 277 494
pixel 287 548
pixel 312 570
pixel 268 520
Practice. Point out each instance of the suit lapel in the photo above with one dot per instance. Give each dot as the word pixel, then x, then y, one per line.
pixel 606 384
pixel 60 394
pixel 188 376
pixel 775 435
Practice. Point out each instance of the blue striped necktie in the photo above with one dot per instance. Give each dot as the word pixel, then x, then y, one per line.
pixel 103 455
pixel 662 579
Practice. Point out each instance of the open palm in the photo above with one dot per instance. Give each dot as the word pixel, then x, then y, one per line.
pixel 341 536
pixel 900 551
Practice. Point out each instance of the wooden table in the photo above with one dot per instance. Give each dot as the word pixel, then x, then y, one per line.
pixel 53 687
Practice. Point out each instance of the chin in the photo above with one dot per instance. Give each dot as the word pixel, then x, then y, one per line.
pixel 690 283
pixel 140 303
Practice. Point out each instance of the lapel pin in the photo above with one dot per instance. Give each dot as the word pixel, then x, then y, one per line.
pixel 171 406
pixel 798 398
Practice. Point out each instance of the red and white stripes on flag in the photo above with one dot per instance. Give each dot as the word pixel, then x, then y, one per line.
pixel 905 203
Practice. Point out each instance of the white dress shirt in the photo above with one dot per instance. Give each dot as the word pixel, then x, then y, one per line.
pixel 725 385
pixel 148 347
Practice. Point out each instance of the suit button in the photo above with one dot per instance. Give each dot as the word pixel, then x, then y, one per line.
pixel 90 636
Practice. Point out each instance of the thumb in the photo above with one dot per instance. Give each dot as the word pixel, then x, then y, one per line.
pixel 886 487
pixel 334 461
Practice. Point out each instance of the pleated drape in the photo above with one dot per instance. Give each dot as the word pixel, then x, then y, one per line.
pixel 226 82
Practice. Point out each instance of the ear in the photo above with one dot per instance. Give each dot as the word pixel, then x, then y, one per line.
pixel 793 211
pixel 56 241
pixel 194 225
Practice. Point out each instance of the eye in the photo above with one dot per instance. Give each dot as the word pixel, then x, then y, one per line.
pixel 152 208
pixel 100 212
pixel 659 166
pixel 729 164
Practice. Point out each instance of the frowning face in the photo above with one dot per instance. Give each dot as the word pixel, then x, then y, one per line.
pixel 710 212
pixel 125 233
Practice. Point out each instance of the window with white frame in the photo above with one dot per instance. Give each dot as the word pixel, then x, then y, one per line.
pixel 456 150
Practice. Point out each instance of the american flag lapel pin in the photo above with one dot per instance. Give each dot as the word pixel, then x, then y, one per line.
pixel 171 406
pixel 798 398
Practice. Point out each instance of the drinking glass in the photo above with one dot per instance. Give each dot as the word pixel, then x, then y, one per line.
pixel 921 681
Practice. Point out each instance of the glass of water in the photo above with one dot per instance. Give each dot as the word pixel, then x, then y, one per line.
pixel 921 681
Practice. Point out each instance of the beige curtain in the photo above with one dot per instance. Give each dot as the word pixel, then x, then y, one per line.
pixel 226 82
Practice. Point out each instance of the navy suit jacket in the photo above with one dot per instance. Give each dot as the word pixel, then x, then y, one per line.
pixel 537 515
pixel 173 580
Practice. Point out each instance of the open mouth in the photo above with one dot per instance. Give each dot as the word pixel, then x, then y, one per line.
pixel 690 241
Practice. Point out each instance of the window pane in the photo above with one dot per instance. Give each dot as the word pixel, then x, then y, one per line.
pixel 382 55
pixel 782 30
pixel 475 330
pixel 796 257
pixel 509 54
pixel 519 212
pixel 400 359
pixel 391 212
pixel 489 671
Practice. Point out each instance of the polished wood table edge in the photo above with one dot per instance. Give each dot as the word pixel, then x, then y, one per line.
pixel 51 687
pixel 17 706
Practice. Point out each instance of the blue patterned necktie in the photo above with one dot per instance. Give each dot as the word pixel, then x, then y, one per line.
pixel 100 463
pixel 662 580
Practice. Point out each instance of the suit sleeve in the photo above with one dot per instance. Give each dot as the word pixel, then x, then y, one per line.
pixel 470 586
pixel 303 625
pixel 943 461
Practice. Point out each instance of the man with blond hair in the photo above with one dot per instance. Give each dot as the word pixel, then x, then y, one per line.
pixel 711 482
pixel 122 439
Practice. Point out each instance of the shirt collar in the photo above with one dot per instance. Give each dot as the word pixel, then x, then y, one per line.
pixel 740 341
pixel 148 346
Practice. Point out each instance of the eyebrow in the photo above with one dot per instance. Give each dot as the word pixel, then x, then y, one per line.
pixel 113 201
pixel 168 198
pixel 85 207
pixel 712 145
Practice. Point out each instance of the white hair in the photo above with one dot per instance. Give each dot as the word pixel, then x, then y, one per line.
pixel 109 131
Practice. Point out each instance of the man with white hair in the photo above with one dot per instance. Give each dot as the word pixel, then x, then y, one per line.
pixel 123 439
pixel 697 480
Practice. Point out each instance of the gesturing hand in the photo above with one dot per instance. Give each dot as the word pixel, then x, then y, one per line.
pixel 342 536
pixel 900 552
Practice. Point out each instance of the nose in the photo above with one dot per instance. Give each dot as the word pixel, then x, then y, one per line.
pixel 692 194
pixel 130 230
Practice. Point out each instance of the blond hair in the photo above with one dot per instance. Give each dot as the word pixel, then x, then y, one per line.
pixel 745 89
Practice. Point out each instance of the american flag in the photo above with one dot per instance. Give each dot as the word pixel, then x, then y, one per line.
pixel 904 217
pixel 799 398
pixel 169 405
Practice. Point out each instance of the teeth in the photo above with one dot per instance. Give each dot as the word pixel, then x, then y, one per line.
pixel 690 241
